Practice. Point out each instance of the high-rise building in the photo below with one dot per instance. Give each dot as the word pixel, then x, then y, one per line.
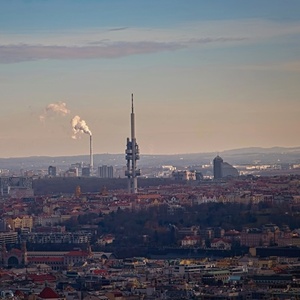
pixel 218 161
pixel 51 171
pixel 106 171
pixel 223 169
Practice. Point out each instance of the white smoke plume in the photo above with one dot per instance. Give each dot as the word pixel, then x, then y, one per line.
pixel 58 108
pixel 79 126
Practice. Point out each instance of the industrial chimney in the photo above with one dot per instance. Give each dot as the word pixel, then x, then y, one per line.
pixel 91 155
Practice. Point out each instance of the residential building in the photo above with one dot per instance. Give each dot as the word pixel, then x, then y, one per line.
pixel 20 222
pixel 184 175
pixel 220 243
pixel 10 237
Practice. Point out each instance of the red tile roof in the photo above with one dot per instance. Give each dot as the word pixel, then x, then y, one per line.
pixel 77 253
pixel 42 278
pixel 48 293
pixel 100 272
pixel 45 259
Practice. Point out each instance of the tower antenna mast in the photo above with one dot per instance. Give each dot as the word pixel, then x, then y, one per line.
pixel 132 155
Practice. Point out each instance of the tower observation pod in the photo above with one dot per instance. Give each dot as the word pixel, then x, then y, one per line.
pixel 132 156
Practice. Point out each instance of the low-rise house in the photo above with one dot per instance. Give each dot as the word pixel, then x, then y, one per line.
pixel 20 222
pixel 190 241
pixel 76 256
pixel 116 295
pixel 106 239
pixel 221 243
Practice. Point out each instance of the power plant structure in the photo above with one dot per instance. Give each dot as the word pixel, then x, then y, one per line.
pixel 91 156
pixel 132 156
pixel 80 126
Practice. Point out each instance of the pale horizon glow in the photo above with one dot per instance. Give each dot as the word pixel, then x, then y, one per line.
pixel 206 77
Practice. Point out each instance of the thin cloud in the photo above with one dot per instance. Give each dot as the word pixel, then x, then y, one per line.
pixel 117 42
pixel 101 42
pixel 21 53
pixel 217 40
pixel 15 53
pixel 117 29
pixel 288 66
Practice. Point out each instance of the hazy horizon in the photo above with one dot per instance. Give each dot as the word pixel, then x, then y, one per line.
pixel 206 76
pixel 267 149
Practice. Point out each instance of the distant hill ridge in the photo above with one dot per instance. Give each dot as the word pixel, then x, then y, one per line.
pixel 234 156
pixel 252 150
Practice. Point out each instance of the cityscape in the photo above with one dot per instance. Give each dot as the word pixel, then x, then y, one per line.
pixel 149 151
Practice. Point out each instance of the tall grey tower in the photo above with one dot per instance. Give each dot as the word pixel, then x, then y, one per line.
pixel 132 155
pixel 218 172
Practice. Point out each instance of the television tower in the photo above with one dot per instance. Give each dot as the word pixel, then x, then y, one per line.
pixel 132 155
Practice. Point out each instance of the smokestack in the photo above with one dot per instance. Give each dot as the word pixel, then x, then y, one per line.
pixel 91 155
pixel 80 126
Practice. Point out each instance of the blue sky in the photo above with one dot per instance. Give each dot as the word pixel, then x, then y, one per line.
pixel 206 75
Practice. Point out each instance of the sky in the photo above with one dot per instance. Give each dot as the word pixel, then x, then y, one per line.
pixel 206 76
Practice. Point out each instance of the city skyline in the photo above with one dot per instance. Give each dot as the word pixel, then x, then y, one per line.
pixel 206 76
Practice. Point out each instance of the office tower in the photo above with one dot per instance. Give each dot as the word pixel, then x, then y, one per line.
pixel 132 155
pixel 218 161
pixel 106 171
pixel 51 171
pixel 223 169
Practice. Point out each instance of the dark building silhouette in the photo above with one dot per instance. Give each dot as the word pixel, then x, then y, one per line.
pixel 218 161
pixel 86 171
pixel 228 170
pixel 52 171
pixel 223 169
pixel 105 171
